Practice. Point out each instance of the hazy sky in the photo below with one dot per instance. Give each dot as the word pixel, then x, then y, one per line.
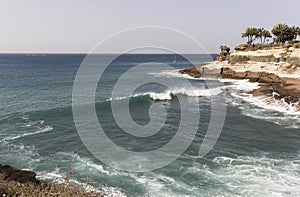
pixel 78 25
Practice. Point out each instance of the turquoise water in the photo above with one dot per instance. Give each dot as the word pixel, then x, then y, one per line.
pixel 257 154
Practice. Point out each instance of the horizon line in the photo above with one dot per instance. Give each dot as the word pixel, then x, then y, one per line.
pixel 81 53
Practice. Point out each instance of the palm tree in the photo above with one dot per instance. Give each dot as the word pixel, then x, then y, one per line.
pixel 245 34
pixel 250 33
pixel 259 34
pixel 282 33
pixel 295 31
pixel 266 34
pixel 224 49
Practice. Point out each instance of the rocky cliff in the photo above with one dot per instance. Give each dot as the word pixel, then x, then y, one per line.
pixel 288 53
pixel 277 70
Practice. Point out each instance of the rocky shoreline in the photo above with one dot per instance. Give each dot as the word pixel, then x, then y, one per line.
pixel 9 173
pixel 273 88
pixel 19 183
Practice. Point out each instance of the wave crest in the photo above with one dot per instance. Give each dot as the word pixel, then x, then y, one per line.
pixel 169 94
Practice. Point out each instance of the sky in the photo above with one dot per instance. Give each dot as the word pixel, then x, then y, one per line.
pixel 77 26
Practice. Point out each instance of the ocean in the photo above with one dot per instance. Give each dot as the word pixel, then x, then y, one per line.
pixel 256 154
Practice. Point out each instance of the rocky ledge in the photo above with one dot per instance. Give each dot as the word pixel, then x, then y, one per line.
pixel 9 173
pixel 19 183
pixel 282 90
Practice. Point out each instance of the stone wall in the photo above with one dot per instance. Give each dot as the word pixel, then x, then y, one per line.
pixel 293 61
pixel 242 59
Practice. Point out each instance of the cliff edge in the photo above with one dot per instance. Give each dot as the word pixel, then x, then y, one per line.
pixel 275 68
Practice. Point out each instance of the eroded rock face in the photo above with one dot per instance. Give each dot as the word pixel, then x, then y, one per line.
pixel 10 173
pixel 260 77
pixel 285 90
pixel 193 72
pixel 201 72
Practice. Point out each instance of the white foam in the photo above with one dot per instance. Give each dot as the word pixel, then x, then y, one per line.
pixel 84 161
pixel 161 96
pixel 241 88
pixel 22 154
pixel 258 175
pixel 198 92
pixel 269 103
pixel 256 108
pixel 79 164
pixel 167 95
pixel 56 177
pixel 187 92
pixel 172 74
pixel 42 130
pixel 241 85
pixel 177 74
pixel 155 183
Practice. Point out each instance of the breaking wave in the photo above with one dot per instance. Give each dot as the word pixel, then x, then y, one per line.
pixel 169 94
pixel 42 130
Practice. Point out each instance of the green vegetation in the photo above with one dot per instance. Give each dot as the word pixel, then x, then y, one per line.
pixel 250 33
pixel 263 34
pixel 225 50
pixel 282 33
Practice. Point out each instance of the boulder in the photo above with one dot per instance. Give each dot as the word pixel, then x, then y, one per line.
pixel 10 173
pixel 241 47
pixel 193 71
pixel 261 77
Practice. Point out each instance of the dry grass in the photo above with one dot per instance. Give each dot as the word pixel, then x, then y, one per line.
pixel 290 68
pixel 297 45
pixel 12 188
pixel 45 189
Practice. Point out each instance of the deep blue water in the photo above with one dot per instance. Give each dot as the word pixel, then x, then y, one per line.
pixel 257 154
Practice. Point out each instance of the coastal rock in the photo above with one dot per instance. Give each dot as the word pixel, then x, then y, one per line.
pixel 193 72
pixel 201 71
pixel 280 90
pixel 260 77
pixel 241 47
pixel 238 59
pixel 294 61
pixel 10 173
pixel 228 73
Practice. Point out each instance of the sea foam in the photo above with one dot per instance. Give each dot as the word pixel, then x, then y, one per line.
pixel 41 130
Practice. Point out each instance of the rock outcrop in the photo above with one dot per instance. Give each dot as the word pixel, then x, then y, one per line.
pixel 287 53
pixel 260 77
pixel 193 72
pixel 201 71
pixel 10 173
pixel 271 85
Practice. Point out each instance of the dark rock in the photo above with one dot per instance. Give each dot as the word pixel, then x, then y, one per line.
pixel 271 85
pixel 201 72
pixel 238 59
pixel 275 59
pixel 293 61
pixel 282 59
pixel 241 47
pixel 261 77
pixel 13 174
pixel 243 59
pixel 222 58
